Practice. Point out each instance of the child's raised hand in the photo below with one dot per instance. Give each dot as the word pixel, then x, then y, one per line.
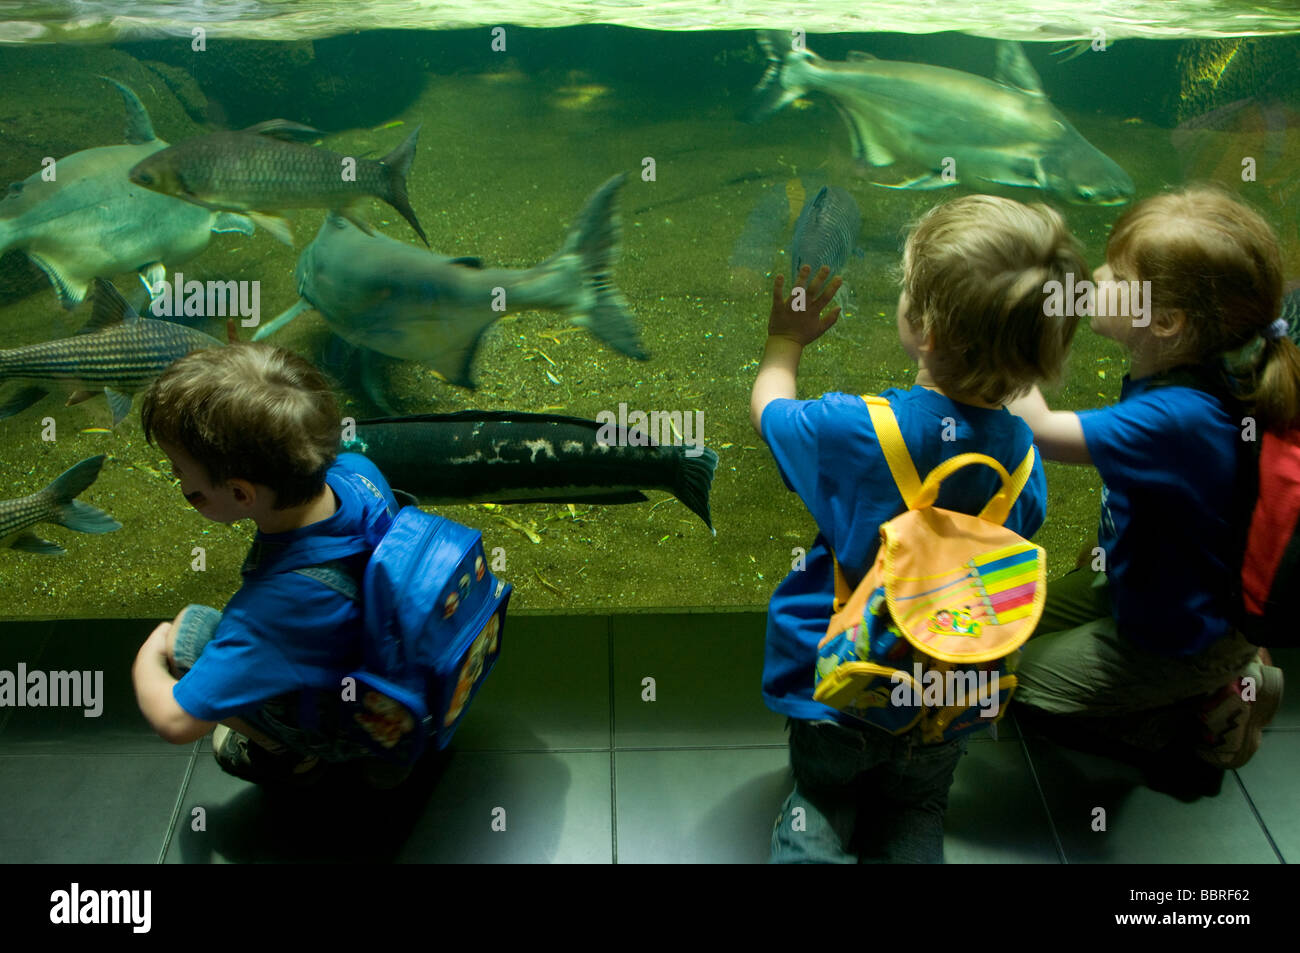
pixel 803 326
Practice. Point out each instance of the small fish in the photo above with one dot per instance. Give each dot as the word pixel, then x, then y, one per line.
pixel 411 304
pixel 263 168
pixel 1001 131
pixel 91 222
pixel 506 457
pixel 117 350
pixel 1291 314
pixel 825 234
pixel 57 503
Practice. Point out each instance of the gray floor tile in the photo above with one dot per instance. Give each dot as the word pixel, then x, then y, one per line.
pixel 82 809
pixel 699 807
pixel 1271 779
pixel 1143 826
pixel 995 813
pixel 106 648
pixel 708 672
pixel 556 810
pixel 549 689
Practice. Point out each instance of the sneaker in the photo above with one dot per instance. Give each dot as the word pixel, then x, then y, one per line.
pixel 1233 727
pixel 238 755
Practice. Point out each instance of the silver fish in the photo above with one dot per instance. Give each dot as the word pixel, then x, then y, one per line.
pixel 409 303
pixel 56 503
pixel 91 222
pixel 826 234
pixel 117 350
pixel 1002 131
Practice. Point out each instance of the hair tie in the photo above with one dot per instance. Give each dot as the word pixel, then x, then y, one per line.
pixel 1277 329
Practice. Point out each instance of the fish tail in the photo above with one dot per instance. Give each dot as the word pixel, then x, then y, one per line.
pixel 397 164
pixel 72 513
pixel 595 239
pixel 775 89
pixel 694 480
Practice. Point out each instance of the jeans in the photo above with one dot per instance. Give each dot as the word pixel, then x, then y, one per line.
pixel 864 796
pixel 308 723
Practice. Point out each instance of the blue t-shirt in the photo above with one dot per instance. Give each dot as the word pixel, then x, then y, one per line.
pixel 1168 458
pixel 281 631
pixel 827 452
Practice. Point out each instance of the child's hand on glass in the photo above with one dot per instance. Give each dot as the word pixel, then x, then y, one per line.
pixel 803 326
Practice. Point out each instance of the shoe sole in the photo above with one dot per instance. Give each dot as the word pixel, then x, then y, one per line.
pixel 1262 711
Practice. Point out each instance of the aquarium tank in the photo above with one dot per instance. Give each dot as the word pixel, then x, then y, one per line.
pixel 532 249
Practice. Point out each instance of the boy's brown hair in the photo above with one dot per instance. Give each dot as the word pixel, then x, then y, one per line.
pixel 976 272
pixel 1212 256
pixel 249 411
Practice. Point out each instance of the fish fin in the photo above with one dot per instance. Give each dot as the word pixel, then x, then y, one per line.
pixel 282 319
pixel 21 400
pixel 595 238
pixel 284 130
pixel 456 365
pixel 694 480
pixel 152 277
pixel 71 293
pixel 772 93
pixel 353 214
pixel 398 163
pixel 70 484
pixel 758 241
pixel 119 404
pixel 466 262
pixel 139 127
pixel 865 147
pixel 79 397
pixel 1014 69
pixel 1075 49
pixel 275 224
pixel 230 222
pixel 932 180
pixel 29 542
pixel 108 308
pixel 371 377
pixel 857 56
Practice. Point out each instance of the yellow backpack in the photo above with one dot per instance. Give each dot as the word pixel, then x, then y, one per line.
pixel 932 635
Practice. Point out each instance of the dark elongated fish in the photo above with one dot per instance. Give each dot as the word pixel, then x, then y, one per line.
pixel 1000 131
pixel 117 350
pixel 56 503
pixel 257 170
pixel 91 222
pixel 411 304
pixel 505 457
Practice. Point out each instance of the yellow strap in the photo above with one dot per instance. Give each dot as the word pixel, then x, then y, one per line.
pixel 842 591
pixel 999 508
pixel 895 450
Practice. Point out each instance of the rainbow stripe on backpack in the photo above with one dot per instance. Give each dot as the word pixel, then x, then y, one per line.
pixel 931 637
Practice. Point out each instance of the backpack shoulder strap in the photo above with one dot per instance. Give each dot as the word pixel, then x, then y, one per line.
pixel 334 576
pixel 892 446
pixel 999 508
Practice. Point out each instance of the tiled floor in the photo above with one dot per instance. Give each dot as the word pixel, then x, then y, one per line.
pixel 632 738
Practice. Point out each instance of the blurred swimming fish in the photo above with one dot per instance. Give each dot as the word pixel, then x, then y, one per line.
pixel 1291 313
pixel 411 304
pixel 1001 131
pixel 264 168
pixel 117 350
pixel 826 234
pixel 57 503
pixel 91 222
pixel 506 457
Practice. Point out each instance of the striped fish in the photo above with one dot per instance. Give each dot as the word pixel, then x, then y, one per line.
pixel 56 503
pixel 118 351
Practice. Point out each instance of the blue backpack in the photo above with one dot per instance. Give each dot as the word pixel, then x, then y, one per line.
pixel 434 617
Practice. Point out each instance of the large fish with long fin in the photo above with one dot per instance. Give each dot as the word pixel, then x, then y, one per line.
pixel 411 304
pixel 92 222
pixel 1001 131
